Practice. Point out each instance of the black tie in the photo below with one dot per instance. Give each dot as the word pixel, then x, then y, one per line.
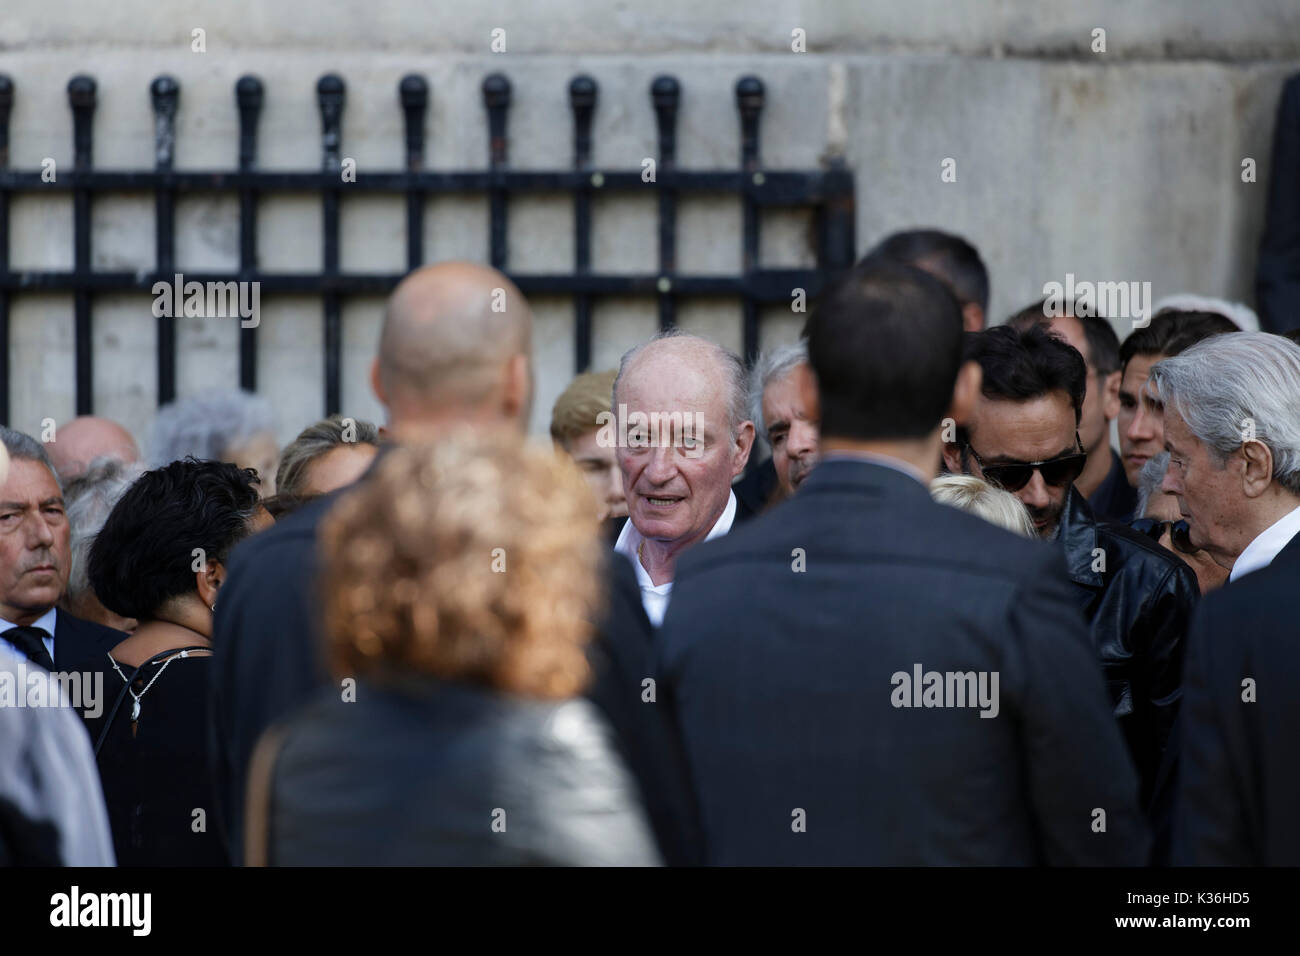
pixel 31 641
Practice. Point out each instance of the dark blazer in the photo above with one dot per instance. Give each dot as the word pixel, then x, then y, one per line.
pixel 1277 273
pixel 1138 600
pixel 782 652
pixel 1239 780
pixel 267 664
pixel 80 645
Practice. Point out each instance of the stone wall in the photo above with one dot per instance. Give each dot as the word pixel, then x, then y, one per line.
pixel 1122 165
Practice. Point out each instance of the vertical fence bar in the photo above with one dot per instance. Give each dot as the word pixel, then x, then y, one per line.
pixel 6 103
pixel 248 100
pixel 165 95
pixel 496 97
pixel 837 220
pixel 749 100
pixel 582 98
pixel 81 97
pixel 413 91
pixel 666 94
pixel 329 94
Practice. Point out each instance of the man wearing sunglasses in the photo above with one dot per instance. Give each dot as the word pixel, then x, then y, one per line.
pixel 1137 598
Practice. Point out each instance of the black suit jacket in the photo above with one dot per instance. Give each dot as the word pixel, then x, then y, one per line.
pixel 1239 783
pixel 1277 275
pixel 781 649
pixel 80 645
pixel 268 664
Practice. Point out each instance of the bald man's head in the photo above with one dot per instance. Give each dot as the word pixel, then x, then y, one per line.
pixel 84 439
pixel 455 345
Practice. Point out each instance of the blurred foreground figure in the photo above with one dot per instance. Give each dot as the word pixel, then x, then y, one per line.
pixel 864 676
pixel 84 439
pixel 51 807
pixel 461 582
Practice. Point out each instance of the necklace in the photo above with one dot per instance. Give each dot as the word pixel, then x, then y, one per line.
pixel 135 706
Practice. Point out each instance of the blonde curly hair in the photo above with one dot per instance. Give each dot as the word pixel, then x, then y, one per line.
pixel 475 559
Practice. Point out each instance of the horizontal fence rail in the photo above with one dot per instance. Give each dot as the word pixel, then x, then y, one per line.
pixel 828 192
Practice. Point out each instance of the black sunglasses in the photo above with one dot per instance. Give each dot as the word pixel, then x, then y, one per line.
pixel 1180 533
pixel 1057 472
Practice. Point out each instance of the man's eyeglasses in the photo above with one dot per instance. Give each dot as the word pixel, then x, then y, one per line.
pixel 1180 533
pixel 1057 472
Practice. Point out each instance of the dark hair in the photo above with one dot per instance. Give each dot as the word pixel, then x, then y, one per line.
pixel 1172 332
pixel 956 260
pixel 1025 364
pixel 1292 334
pixel 885 344
pixel 144 554
pixel 1103 343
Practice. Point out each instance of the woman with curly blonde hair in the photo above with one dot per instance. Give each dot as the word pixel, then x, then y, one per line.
pixel 459 582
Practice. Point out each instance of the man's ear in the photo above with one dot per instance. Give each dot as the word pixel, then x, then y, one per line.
pixel 1110 396
pixel 1257 471
pixel 952 457
pixel 966 393
pixel 518 394
pixel 377 384
pixel 742 447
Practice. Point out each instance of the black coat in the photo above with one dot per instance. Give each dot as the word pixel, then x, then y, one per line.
pixel 268 663
pixel 81 645
pixel 1277 275
pixel 1138 600
pixel 1239 783
pixel 781 653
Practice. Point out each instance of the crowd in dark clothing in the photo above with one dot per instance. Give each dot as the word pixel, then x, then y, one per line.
pixel 437 642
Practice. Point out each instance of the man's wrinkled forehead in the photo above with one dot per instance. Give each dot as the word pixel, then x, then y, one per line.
pixel 672 382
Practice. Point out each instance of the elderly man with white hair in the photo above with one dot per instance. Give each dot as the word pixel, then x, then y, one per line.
pixel 1233 434
pixel 677 476
pixel 782 403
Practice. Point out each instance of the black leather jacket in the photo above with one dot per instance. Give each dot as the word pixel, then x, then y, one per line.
pixel 1138 600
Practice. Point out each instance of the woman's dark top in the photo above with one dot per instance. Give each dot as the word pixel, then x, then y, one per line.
pixel 156 780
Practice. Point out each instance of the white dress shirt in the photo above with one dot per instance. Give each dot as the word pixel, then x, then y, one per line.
pixel 45 621
pixel 654 597
pixel 1261 552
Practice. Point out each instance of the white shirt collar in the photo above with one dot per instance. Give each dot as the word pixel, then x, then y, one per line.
pixel 654 597
pixel 1261 552
pixel 45 622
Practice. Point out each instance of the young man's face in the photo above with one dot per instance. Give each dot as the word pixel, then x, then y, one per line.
pixel 599 466
pixel 1141 433
pixel 1004 432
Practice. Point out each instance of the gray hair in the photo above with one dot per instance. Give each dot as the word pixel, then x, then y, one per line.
pixel 313 442
pixel 731 365
pixel 207 426
pixel 1149 480
pixel 89 498
pixel 772 366
pixel 23 447
pixel 1229 386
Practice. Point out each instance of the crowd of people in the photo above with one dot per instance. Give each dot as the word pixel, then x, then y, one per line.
pixel 890 596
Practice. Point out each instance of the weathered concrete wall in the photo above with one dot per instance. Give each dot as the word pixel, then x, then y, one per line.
pixel 1123 165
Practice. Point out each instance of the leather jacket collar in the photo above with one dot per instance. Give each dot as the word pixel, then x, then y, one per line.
pixel 1077 534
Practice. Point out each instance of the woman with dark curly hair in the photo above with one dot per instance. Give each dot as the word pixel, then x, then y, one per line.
pixel 160 558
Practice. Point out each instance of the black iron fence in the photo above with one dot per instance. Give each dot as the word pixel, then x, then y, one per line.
pixel 828 192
